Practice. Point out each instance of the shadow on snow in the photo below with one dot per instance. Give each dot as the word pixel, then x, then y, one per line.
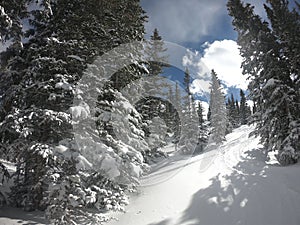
pixel 254 193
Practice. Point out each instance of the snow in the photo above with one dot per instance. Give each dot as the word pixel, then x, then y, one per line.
pixel 83 163
pixel 234 184
pixel 109 164
pixel 76 57
pixel 80 112
pixel 61 149
pixel 270 83
pixel 63 85
pixel 13 216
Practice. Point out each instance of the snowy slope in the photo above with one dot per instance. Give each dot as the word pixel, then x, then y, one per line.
pixel 233 185
pixel 230 185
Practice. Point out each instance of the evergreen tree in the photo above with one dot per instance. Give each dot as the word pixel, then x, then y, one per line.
pixel 172 115
pixel 269 51
pixel 244 109
pixel 285 27
pixel 254 108
pixel 156 86
pixel 178 98
pixel 200 114
pixel 233 113
pixel 41 75
pixel 209 114
pixel 189 125
pixel 203 129
pixel 178 108
pixel 155 54
pixel 187 81
pixel 237 106
pixel 187 98
pixel 218 111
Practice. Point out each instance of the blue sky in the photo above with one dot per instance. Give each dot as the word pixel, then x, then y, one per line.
pixel 189 23
pixel 204 27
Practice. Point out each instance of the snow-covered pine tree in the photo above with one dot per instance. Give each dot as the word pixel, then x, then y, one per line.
pixel 178 106
pixel 203 129
pixel 254 108
pixel 187 81
pixel 285 26
pixel 237 106
pixel 245 111
pixel 189 126
pixel 155 54
pixel 155 87
pixel 171 113
pixel 209 114
pixel 155 116
pixel 172 116
pixel 41 73
pixel 156 58
pixel 218 118
pixel 232 113
pixel 187 97
pixel 266 50
pixel 178 103
pixel 119 124
pixel 11 14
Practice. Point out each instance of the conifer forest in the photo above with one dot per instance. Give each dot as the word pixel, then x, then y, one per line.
pixel 148 112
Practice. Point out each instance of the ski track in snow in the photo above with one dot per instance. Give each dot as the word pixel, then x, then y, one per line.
pixel 231 185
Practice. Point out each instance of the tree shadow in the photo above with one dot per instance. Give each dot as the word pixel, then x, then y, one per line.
pixel 21 217
pixel 249 195
pixel 163 222
pixel 172 166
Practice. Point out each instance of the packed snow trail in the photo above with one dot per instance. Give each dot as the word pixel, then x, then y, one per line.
pixel 234 184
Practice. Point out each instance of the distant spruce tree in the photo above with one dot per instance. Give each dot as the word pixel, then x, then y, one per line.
pixel 156 60
pixel 209 114
pixel 218 116
pixel 203 128
pixel 155 54
pixel 233 112
pixel 187 81
pixel 254 108
pixel 188 126
pixel 173 115
pixel 178 98
pixel 244 111
pixel 187 97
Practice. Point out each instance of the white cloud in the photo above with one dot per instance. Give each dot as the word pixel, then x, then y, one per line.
pixel 198 71
pixel 184 20
pixel 223 56
pixel 201 87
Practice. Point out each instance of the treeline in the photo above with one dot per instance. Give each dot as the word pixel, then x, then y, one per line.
pixel 238 112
